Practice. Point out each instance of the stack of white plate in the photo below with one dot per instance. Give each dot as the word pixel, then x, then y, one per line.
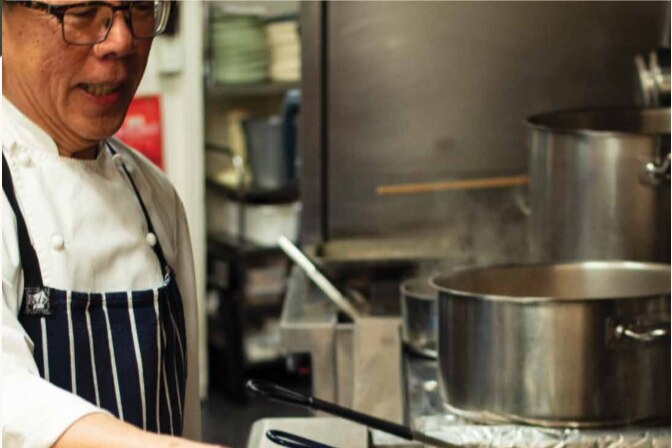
pixel 285 49
pixel 239 51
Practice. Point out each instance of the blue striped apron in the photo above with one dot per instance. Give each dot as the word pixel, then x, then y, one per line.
pixel 124 351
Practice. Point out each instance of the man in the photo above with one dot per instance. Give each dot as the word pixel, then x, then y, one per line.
pixel 99 305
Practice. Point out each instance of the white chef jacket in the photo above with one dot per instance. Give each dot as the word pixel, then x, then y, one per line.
pixel 89 233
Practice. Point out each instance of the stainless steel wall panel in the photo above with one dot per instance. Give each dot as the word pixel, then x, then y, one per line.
pixel 310 122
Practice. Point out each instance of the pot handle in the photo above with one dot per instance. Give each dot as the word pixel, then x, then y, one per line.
pixel 642 335
pixel 522 201
pixel 656 172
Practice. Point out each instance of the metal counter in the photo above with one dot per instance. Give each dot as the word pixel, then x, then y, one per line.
pixel 332 431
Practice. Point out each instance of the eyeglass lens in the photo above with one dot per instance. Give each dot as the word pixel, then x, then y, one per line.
pixel 90 24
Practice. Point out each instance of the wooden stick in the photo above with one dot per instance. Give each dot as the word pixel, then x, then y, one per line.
pixel 468 184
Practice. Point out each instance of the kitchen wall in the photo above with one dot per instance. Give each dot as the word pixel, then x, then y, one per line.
pixel 435 91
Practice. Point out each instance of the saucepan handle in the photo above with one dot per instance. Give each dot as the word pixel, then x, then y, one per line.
pixel 643 334
pixel 277 393
pixel 288 440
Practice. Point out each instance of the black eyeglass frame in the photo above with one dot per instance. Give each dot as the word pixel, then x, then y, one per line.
pixel 59 12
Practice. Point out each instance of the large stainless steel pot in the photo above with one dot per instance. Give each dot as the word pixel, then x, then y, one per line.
pixel 599 185
pixel 572 345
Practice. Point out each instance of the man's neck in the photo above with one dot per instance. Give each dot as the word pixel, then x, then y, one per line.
pixel 84 154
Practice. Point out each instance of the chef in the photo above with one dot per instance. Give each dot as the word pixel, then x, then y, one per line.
pixel 99 327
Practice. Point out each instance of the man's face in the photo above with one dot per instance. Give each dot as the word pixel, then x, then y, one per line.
pixel 77 94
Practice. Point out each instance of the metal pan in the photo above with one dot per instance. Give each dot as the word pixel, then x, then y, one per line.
pixel 561 345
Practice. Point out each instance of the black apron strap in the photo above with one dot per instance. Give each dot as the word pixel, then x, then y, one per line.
pixel 165 268
pixel 31 265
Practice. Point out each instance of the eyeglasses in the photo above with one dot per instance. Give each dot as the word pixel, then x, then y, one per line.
pixel 89 23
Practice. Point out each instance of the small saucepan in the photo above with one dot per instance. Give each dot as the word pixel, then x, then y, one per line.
pixel 419 316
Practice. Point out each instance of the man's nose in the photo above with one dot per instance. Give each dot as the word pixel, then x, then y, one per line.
pixel 120 41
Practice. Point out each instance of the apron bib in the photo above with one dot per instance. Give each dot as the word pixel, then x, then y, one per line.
pixel 124 351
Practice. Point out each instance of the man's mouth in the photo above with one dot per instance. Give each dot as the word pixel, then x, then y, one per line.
pixel 101 89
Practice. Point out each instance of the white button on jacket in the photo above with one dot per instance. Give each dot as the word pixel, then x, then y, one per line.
pixel 24 159
pixel 118 160
pixel 57 242
pixel 151 239
pixel 90 234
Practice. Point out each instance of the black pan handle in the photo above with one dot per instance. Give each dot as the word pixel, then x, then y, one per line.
pixel 288 440
pixel 277 393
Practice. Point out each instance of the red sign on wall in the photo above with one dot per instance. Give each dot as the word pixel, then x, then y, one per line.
pixel 142 128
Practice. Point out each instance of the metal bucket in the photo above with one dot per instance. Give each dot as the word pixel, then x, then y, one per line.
pixel 269 161
pixel 568 345
pixel 599 185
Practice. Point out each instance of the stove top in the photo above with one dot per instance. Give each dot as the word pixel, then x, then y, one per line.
pixel 426 412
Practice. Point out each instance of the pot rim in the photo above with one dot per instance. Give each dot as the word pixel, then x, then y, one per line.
pixel 535 122
pixel 406 289
pixel 649 266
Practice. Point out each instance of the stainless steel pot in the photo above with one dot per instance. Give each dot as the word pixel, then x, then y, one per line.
pixel 419 316
pixel 600 185
pixel 570 345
